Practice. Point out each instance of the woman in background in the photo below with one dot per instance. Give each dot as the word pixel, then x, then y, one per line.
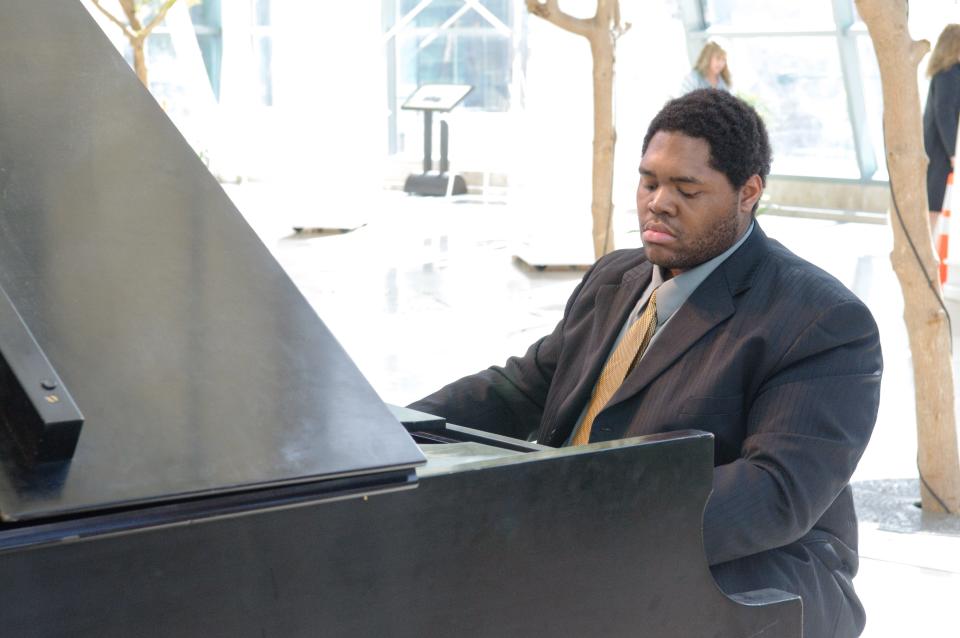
pixel 710 71
pixel 940 116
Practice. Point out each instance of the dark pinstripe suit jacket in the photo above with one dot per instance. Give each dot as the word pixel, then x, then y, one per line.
pixel 772 355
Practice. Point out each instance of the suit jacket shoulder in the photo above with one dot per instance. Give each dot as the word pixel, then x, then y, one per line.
pixel 795 285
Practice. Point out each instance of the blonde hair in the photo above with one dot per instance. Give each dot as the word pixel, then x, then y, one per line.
pixel 702 66
pixel 947 51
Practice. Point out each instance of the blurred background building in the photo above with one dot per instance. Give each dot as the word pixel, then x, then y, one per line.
pixel 299 79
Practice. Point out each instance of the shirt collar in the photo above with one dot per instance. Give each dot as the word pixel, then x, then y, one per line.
pixel 674 291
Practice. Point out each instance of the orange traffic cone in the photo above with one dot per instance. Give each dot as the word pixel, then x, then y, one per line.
pixel 943 231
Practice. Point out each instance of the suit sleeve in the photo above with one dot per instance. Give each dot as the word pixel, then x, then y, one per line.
pixel 806 430
pixel 947 107
pixel 506 399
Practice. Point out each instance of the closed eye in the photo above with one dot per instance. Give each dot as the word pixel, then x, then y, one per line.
pixel 688 194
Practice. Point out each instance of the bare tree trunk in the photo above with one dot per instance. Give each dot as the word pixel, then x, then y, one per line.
pixel 136 32
pixel 140 61
pixel 138 41
pixel 602 31
pixel 604 140
pixel 927 326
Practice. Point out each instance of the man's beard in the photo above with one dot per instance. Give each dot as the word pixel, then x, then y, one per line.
pixel 706 247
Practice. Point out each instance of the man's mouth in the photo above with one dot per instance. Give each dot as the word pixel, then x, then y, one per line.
pixel 655 233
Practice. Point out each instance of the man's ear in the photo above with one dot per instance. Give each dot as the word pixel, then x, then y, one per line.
pixel 750 193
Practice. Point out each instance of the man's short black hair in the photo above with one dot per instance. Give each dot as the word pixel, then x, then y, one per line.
pixel 739 146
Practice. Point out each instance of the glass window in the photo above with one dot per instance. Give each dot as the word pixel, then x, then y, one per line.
pixel 211 48
pixel 499 8
pixel 262 44
pixel 261 12
pixel 796 84
pixel 480 58
pixel 205 16
pixel 438 12
pixel 263 52
pixel 468 51
pixel 162 69
pixel 873 98
pixel 758 15
pixel 449 42
pixel 160 52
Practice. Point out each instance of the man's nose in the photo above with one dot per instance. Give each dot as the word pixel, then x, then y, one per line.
pixel 661 202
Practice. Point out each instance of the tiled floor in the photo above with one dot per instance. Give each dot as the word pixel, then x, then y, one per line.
pixel 448 299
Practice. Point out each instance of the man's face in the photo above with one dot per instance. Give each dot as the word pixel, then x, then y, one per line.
pixel 689 212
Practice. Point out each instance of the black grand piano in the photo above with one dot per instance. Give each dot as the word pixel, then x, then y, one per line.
pixel 186 450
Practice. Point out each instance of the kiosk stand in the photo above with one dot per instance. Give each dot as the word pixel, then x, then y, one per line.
pixel 429 98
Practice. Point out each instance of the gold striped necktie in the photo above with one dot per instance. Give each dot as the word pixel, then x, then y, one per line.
pixel 615 370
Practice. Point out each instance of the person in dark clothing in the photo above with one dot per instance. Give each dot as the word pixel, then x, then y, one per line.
pixel 712 325
pixel 940 116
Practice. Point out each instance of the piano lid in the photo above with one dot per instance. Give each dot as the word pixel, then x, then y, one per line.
pixel 196 363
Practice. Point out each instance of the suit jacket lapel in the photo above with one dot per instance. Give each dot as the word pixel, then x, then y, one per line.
pixel 708 305
pixel 612 304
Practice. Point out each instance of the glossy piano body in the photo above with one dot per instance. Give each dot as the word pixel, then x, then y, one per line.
pixel 235 475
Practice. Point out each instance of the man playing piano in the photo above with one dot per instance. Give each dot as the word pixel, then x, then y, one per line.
pixel 716 327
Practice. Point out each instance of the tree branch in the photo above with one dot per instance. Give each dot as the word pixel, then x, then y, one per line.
pixel 550 11
pixel 157 19
pixel 608 18
pixel 616 28
pixel 131 12
pixel 918 49
pixel 126 30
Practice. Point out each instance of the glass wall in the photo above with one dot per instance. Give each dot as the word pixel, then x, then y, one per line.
pixel 206 23
pixel 207 17
pixel 797 84
pixel 787 60
pixel 810 69
pixel 448 42
pixel 762 15
pixel 164 61
pixel 262 45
